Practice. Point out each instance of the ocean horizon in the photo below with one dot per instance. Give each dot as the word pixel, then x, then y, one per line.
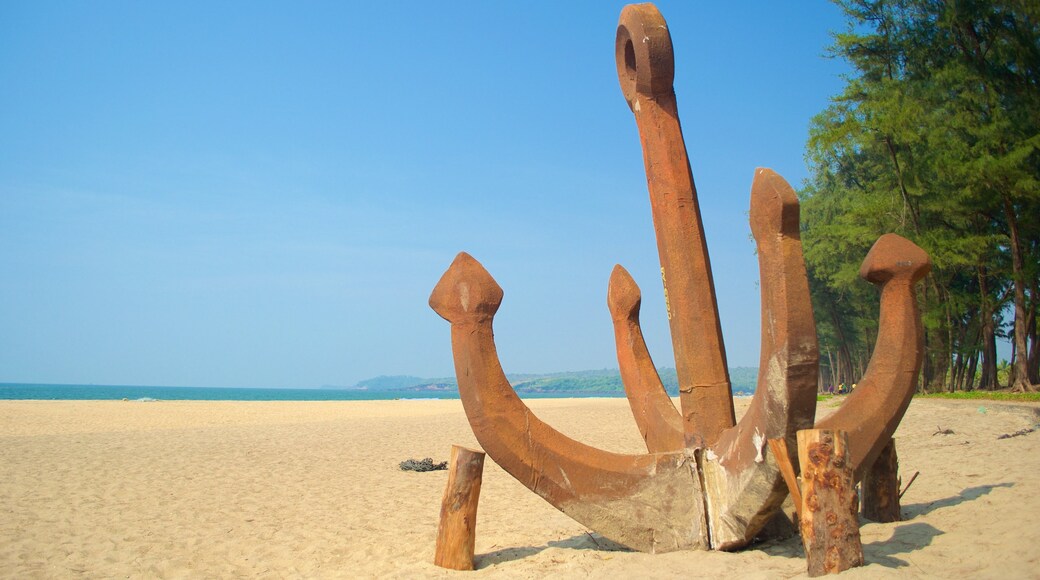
pixel 78 392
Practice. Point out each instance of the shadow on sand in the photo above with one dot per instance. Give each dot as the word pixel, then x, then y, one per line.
pixel 906 537
pixel 967 494
pixel 586 541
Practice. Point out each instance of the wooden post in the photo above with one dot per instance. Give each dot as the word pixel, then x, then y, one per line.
pixel 458 526
pixel 783 461
pixel 830 530
pixel 881 487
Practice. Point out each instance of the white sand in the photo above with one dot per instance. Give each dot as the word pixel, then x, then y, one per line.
pixel 313 490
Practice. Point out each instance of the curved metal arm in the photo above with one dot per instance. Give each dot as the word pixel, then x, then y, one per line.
pixel 743 487
pixel 659 422
pixel 647 502
pixel 872 412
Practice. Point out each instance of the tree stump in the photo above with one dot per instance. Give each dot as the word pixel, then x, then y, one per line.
pixel 458 526
pixel 881 487
pixel 830 530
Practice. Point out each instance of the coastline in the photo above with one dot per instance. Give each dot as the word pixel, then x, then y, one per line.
pixel 60 392
pixel 313 489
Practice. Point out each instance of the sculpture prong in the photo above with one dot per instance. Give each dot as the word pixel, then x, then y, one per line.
pixel 646 68
pixel 659 422
pixel 647 502
pixel 742 487
pixel 872 412
pixel 789 352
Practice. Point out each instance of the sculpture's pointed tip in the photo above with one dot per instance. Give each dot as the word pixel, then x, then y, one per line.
pixel 893 256
pixel 623 295
pixel 774 205
pixel 466 292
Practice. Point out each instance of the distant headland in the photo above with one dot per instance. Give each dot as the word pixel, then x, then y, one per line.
pixel 606 382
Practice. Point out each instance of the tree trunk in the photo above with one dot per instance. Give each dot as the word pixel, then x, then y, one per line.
pixel 862 355
pixel 881 487
pixel 936 342
pixel 830 530
pixel 1033 359
pixel 988 378
pixel 937 360
pixel 969 379
pixel 950 345
pixel 927 371
pixel 457 532
pixel 844 374
pixel 1020 371
pixel 960 366
pixel 832 378
pixel 958 372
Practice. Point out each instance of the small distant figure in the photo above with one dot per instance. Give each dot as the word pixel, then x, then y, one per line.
pixel 841 388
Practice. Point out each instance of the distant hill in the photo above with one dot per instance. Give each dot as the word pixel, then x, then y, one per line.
pixel 393 383
pixel 592 382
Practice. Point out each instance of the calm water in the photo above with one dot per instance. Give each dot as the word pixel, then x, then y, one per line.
pixel 106 392
pixel 134 393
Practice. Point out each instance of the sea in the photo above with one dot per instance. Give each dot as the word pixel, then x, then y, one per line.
pixel 23 391
pixel 152 393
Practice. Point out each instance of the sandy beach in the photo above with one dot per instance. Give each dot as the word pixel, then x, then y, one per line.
pixel 175 489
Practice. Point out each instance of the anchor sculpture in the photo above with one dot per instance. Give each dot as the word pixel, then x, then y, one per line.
pixel 706 481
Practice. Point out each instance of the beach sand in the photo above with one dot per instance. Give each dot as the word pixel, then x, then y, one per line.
pixel 176 489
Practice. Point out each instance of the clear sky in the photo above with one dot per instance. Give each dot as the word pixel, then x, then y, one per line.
pixel 264 194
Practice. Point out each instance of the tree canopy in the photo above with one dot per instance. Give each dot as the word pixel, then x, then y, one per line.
pixel 936 137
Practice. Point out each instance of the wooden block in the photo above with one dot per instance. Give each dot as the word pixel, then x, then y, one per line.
pixel 830 530
pixel 881 487
pixel 457 531
pixel 783 461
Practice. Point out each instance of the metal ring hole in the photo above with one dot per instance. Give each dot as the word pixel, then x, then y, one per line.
pixel 630 61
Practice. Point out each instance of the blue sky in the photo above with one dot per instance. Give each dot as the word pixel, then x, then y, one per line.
pixel 264 194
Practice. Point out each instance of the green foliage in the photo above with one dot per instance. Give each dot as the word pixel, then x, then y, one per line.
pixel 936 137
pixel 986 395
pixel 1003 372
pixel 743 379
pixel 605 382
pixel 608 382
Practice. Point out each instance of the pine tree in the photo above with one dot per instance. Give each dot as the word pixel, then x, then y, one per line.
pixel 936 136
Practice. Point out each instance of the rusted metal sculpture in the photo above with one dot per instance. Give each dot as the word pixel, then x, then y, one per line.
pixel 707 481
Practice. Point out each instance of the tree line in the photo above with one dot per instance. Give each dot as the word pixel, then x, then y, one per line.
pixel 936 137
